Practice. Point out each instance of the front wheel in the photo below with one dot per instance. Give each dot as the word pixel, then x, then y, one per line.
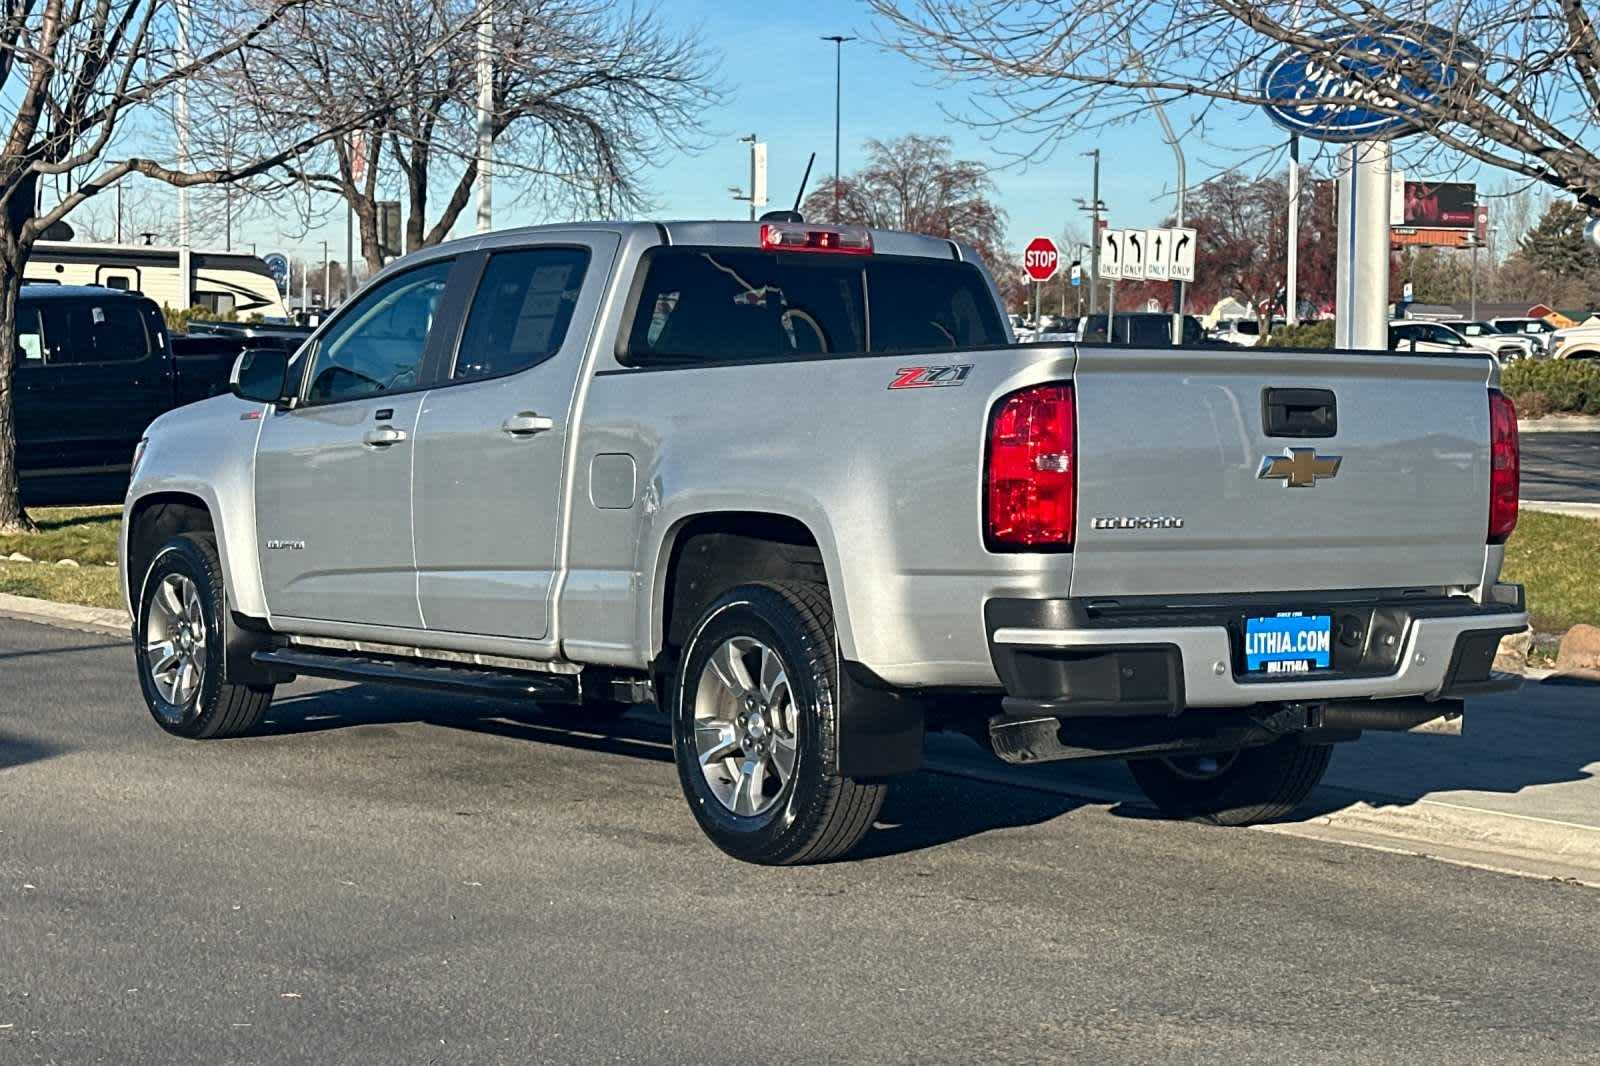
pixel 178 646
pixel 755 719
pixel 1234 788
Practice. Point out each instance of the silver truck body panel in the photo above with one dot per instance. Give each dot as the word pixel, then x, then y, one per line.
pixel 557 547
pixel 207 451
pixel 1179 434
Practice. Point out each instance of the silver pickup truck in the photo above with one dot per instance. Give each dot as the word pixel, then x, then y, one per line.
pixel 795 485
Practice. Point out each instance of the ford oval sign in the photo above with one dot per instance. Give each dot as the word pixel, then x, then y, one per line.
pixel 1357 94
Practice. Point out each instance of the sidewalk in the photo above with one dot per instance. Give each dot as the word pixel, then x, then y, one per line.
pixel 1519 790
pixel 1560 424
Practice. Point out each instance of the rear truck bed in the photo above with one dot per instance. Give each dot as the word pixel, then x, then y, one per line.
pixel 1265 545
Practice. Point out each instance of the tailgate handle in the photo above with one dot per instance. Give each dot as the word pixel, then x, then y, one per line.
pixel 1299 412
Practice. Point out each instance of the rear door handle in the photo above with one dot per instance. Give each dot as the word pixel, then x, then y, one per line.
pixel 526 424
pixel 383 437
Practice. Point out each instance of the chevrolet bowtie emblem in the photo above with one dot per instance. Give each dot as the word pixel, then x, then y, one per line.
pixel 1300 468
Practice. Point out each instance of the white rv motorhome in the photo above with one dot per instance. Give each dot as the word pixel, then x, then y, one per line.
pixel 218 281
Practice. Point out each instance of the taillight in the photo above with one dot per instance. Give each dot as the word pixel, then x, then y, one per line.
pixel 1031 485
pixel 798 237
pixel 1505 467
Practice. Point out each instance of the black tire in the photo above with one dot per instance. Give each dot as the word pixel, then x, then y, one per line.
pixel 817 814
pixel 1250 786
pixel 219 709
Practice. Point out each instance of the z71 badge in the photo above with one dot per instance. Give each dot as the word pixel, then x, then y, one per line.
pixel 930 377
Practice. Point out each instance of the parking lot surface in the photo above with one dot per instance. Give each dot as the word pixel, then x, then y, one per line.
pixel 1561 467
pixel 382 876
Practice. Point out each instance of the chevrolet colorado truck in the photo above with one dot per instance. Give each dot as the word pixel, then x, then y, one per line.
pixel 796 485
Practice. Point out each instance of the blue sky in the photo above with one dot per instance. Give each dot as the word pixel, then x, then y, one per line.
pixel 779 78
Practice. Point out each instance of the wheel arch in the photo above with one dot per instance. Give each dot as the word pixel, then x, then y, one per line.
pixel 705 553
pixel 152 517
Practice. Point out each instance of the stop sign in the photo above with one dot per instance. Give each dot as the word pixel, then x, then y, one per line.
pixel 1040 259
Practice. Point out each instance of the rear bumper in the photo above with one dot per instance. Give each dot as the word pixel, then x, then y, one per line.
pixel 1072 658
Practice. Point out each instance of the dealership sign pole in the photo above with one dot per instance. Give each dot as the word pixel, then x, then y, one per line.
pixel 1335 98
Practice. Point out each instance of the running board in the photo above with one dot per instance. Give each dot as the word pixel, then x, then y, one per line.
pixel 395 670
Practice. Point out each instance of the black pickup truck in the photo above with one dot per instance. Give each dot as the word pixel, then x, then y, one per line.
pixel 94 367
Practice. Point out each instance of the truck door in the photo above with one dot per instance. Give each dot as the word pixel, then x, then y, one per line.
pixel 333 475
pixel 493 435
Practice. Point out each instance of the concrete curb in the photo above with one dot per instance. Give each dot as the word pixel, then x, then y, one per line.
pixel 1575 510
pixel 1459 832
pixel 1437 829
pixel 66 615
pixel 1559 424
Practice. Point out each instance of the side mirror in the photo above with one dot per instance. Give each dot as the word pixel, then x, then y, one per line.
pixel 259 375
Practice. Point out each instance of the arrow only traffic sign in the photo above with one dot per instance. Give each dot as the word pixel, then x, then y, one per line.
pixel 1133 254
pixel 1157 253
pixel 1111 246
pixel 1180 264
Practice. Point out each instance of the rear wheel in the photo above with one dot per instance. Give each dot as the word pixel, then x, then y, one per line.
pixel 178 646
pixel 1234 788
pixel 755 719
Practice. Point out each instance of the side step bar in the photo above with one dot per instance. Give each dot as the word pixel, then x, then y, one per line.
pixel 393 670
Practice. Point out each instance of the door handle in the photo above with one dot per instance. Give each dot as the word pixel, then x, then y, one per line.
pixel 526 424
pixel 383 437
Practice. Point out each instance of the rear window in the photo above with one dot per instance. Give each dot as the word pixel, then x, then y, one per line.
pixel 727 305
pixel 113 331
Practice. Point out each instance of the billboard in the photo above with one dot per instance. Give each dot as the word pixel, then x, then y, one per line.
pixel 1439 205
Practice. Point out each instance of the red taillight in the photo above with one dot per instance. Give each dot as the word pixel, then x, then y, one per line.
pixel 795 237
pixel 1031 487
pixel 1505 467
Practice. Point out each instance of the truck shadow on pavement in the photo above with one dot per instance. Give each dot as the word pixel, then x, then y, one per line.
pixel 19 751
pixel 923 810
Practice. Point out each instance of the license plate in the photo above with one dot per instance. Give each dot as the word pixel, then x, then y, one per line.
pixel 1288 643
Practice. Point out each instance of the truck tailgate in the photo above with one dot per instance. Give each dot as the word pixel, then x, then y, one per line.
pixel 1180 437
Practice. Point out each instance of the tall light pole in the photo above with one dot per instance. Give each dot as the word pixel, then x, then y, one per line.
pixel 1093 207
pixel 185 57
pixel 838 82
pixel 485 118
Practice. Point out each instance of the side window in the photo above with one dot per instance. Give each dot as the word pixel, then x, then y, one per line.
pixel 377 345
pixel 930 306
pixel 91 332
pixel 1442 335
pixel 30 340
pixel 521 311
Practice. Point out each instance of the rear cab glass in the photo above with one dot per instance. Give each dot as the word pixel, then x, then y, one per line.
pixel 95 331
pixel 698 305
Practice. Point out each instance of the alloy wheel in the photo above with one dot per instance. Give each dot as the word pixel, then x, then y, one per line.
pixel 175 644
pixel 745 726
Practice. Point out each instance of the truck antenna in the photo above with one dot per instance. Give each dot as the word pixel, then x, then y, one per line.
pixel 804 178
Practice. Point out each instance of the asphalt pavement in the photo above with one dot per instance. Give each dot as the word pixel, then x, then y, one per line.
pixel 1561 467
pixel 385 877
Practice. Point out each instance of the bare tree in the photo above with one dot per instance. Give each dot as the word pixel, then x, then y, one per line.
pixel 75 72
pixel 1523 92
pixel 586 96
pixel 916 183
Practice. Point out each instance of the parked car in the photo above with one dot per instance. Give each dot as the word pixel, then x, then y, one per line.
pixel 262 334
pixel 1507 346
pixel 1144 328
pixel 1576 342
pixel 94 367
pixel 1240 332
pixel 1537 328
pixel 1422 336
pixel 792 483
pixel 1056 328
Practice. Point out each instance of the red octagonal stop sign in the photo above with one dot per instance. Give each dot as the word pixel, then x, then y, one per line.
pixel 1040 259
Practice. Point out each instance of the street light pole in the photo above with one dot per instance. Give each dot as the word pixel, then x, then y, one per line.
pixel 1094 233
pixel 838 83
